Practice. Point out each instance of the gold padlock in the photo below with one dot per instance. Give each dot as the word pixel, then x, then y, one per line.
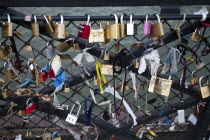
pixel 127 87
pixel 34 27
pixel 6 93
pixel 205 88
pixel 196 37
pixel 64 46
pixel 4 52
pixel 48 26
pixel 194 78
pixel 115 29
pixel 106 57
pixel 21 112
pixel 9 74
pixel 157 29
pixel 117 47
pixel 67 88
pixel 95 81
pixel 28 48
pixel 122 27
pixel 137 64
pixel 60 30
pixel 7 28
pixel 28 133
pixel 76 46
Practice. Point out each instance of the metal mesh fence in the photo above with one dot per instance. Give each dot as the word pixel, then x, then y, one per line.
pixel 46 118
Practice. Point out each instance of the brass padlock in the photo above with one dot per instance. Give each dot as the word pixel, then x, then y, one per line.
pixel 7 28
pixel 194 78
pixel 115 29
pixel 137 64
pixel 2 82
pixel 95 81
pixel 157 29
pixel 28 133
pixel 35 26
pixel 46 135
pixel 60 30
pixel 21 112
pixel 205 88
pixel 9 74
pixel 28 47
pixel 106 56
pixel 4 52
pixel 127 87
pixel 48 26
pixel 67 88
pixel 196 37
pixel 64 46
pixel 117 47
pixel 6 93
pixel 76 46
pixel 122 27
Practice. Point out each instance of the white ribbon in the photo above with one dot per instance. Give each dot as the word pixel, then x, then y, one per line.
pixel 78 58
pixel 55 98
pixel 133 77
pixel 111 90
pixel 56 64
pixel 154 59
pixel 204 12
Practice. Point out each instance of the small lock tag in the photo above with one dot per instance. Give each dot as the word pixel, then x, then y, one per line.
pixel 147 26
pixel 106 56
pixel 131 27
pixel 181 116
pixel 196 37
pixel 28 48
pixel 108 69
pixel 28 134
pixel 160 86
pixel 114 29
pixel 35 27
pixel 84 30
pixel 48 26
pixel 71 118
pixel 60 30
pixel 194 78
pixel 67 88
pixel 192 119
pixel 157 29
pixel 127 87
pixel 7 28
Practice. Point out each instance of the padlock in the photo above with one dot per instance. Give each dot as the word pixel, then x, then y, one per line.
pixel 107 31
pixel 196 37
pixel 115 29
pixel 205 89
pixel 122 27
pixel 9 74
pixel 106 56
pixel 60 30
pixel 50 50
pixel 131 27
pixel 157 29
pixel 6 93
pixel 76 46
pixel 137 64
pixel 48 26
pixel 84 30
pixel 71 118
pixel 66 88
pixel 7 28
pixel 46 135
pixel 18 137
pixel 28 47
pixel 21 112
pixel 194 78
pixel 51 73
pixel 127 87
pixel 30 107
pixel 34 27
pixel 64 56
pixel 2 82
pixel 4 52
pixel 147 26
pixel 28 133
pixel 43 76
pixel 64 46
pixel 95 81
pixel 117 47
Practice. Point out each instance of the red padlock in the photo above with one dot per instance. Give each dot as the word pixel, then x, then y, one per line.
pixel 44 76
pixel 84 30
pixel 51 73
pixel 30 107
pixel 113 137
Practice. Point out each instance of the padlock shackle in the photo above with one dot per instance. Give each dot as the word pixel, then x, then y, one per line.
pixel 116 18
pixel 77 111
pixel 88 19
pixel 147 18
pixel 46 19
pixel 28 101
pixel 131 19
pixel 9 18
pixel 200 80
pixel 62 19
pixel 194 73
pixel 158 17
pixel 35 19
pixel 121 19
pixel 69 39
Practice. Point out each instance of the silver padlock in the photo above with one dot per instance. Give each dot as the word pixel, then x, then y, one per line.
pixel 18 137
pixel 72 118
pixel 131 27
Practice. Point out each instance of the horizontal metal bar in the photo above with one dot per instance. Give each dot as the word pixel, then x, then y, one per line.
pixel 97 18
